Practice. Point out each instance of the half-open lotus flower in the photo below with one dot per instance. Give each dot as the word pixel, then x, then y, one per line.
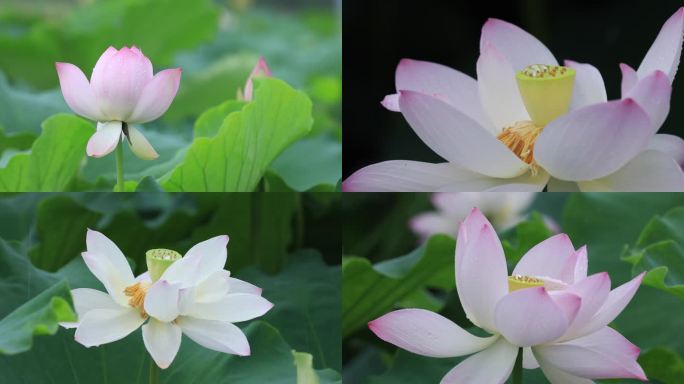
pixel 192 295
pixel 122 91
pixel 527 123
pixel 547 306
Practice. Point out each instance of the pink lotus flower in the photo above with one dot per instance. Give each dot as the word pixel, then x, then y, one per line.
pixel 548 307
pixel 526 123
pixel 504 210
pixel 122 91
pixel 260 69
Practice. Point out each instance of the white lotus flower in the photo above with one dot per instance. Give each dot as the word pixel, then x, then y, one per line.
pixel 191 295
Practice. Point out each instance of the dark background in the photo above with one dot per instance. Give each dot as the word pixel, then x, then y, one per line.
pixel 378 33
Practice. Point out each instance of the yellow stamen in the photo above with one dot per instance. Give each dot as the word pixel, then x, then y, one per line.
pixel 546 91
pixel 517 282
pixel 137 293
pixel 520 139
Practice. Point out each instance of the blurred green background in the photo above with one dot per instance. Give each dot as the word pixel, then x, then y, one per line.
pixel 217 43
pixel 385 267
pixel 378 33
pixel 287 243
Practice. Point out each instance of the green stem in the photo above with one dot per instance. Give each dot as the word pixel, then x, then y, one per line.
pixel 518 368
pixel 154 372
pixel 119 168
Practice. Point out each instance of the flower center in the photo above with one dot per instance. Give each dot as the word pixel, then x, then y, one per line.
pixel 137 292
pixel 546 91
pixel 158 260
pixel 517 282
pixel 520 138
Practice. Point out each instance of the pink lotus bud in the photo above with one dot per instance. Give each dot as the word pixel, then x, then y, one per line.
pixel 122 91
pixel 260 69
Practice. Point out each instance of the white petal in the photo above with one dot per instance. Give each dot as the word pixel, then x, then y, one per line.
pixel 588 88
pixel 493 365
pixel 199 262
pixel 161 300
pixel 666 50
pixel 86 300
pixel 650 171
pixel 234 307
pixel 629 79
pixel 516 44
pixel 557 376
pixel 669 144
pixel 213 288
pixel 529 361
pixel 139 144
pixel 108 264
pixel 427 333
pixel 499 92
pixel 101 326
pixel 162 341
pixel 105 139
pixel 217 335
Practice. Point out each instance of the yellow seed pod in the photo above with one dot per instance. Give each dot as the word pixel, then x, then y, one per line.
pixel 546 91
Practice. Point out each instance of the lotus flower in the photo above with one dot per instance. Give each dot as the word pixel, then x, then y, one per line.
pixel 504 209
pixel 191 295
pixel 122 92
pixel 527 123
pixel 260 69
pixel 547 306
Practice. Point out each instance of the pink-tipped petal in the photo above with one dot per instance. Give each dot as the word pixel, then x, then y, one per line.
pixel 157 96
pixel 119 80
pixel 666 50
pixel 427 333
pixel 139 144
pixel 594 141
pixel 102 326
pixel 161 301
pixel 530 316
pixel 77 91
pixel 650 171
pixel 669 144
pixel 105 139
pixel 588 88
pixel 239 286
pixel 233 308
pixel 202 260
pixel 498 89
pixel 593 291
pixel 481 272
pixel 457 138
pixel 216 335
pixel 629 79
pixel 415 176
pixel 582 264
pixel 260 69
pixel 517 45
pixel 554 257
pixel 614 304
pixel 450 85
pixel 162 341
pixel 391 102
pixel 604 354
pixel 653 95
pixel 493 365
